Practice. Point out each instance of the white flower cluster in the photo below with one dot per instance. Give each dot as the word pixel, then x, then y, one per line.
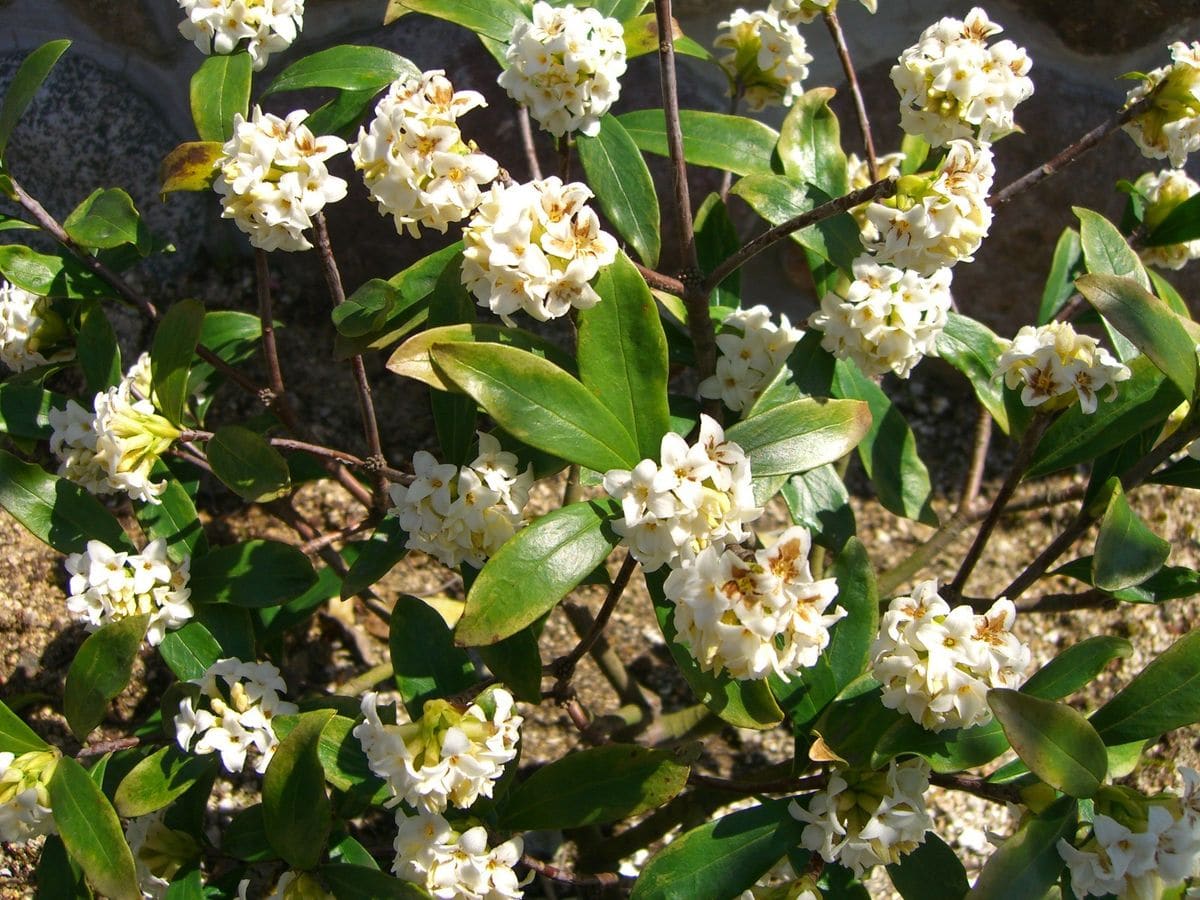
pixel 463 515
pixel 113 446
pixel 752 351
pixel 453 866
pixel 695 495
pixel 448 756
pixel 938 219
pixel 237 702
pixel 1171 127
pixel 535 247
pixel 865 819
pixel 1163 192
pixel 752 617
pixel 24 799
pixel 767 58
pixel 937 663
pixel 220 26
pixel 107 586
pixel 953 85
pixel 795 11
pixel 29 330
pixel 565 66
pixel 413 157
pixel 1050 361
pixel 272 178
pixel 889 319
pixel 158 852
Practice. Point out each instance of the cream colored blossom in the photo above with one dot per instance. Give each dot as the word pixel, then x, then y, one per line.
pixel 799 11
pixel 24 797
pixel 752 351
pixel 1162 192
pixel 1050 362
pixel 766 59
pixel 221 26
pixel 453 865
pixel 1171 126
pixel 31 332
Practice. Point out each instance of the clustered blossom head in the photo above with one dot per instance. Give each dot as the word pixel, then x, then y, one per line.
pixel 752 617
pixel 695 495
pixel 535 247
pixel 889 319
pixel 220 26
pixel 289 886
pixel 272 178
pixel 752 351
pixel 454 866
pixel 31 332
pixel 565 66
pixel 413 157
pixel 797 11
pixel 1171 126
pixel 938 664
pixel 159 852
pixel 767 59
pixel 953 85
pixel 450 756
pixel 1162 192
pixel 936 219
pixel 1051 361
pixel 24 797
pixel 463 514
pixel 233 713
pixel 107 585
pixel 114 446
pixel 866 819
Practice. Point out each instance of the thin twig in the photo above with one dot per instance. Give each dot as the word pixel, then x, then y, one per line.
pixel 562 876
pixel 751 786
pixel 860 108
pixel 973 480
pixel 564 158
pixel 332 537
pixel 267 317
pixel 660 281
pixel 972 784
pixel 357 685
pixel 99 748
pixel 1056 603
pixel 531 157
pixel 564 666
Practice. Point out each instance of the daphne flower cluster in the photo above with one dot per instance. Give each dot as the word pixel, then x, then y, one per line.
pixel 935 219
pixel 565 66
pixel 1171 126
pixel 159 852
pixel 767 59
pixel 272 178
pixel 220 26
pixel 107 585
pixel 450 756
pixel 953 85
pixel 233 713
pixel 889 319
pixel 695 495
pixel 24 797
pixel 866 819
pixel 535 247
pixel 1050 361
pixel 937 664
pixel 752 351
pixel 1162 192
pixel 31 332
pixel 454 866
pixel 463 514
pixel 113 446
pixel 796 11
pixel 413 157
pixel 752 617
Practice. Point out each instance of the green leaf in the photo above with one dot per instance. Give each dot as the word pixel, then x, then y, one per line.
pixel 343 758
pixel 192 166
pixel 972 348
pixel 58 876
pixel 621 10
pixel 108 218
pixel 97 350
pixel 376 558
pixel 425 661
pixel 15 736
pixel 174 519
pixel 930 872
pixel 187 886
pixel 158 780
pixel 721 858
pixel 717 240
pixel 539 404
pixel 488 18
pixel 1066 264
pixel 25 410
pixel 48 275
pixel 801 435
pixel 337 115
pixel 1181 224
pixel 454 416
pixel 100 670
pixel 25 84
pixel 350 882
pixel 779 198
pixel 517 662
pixel 734 143
pixel 54 510
pixel 946 751
pixel 641 37
pixel 220 90
pixel 1054 740
pixel 1127 552
pixel 246 836
pixel 810 143
pixel 171 356
pixel 296 809
pixel 818 500
pixel 1163 696
pixel 535 569
pixel 1028 863
pixel 1168 583
pixel 347 67
pixel 367 309
pixel 411 359
pixel 1076 666
pixel 248 464
pixel 618 175
pixel 1106 252
pixel 594 786
pixel 252 574
pixel 89 828
pixel 1167 293
pixel 189 651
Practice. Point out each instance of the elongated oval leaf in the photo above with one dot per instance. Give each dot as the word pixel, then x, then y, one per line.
pixel 174 519
pixel 30 74
pixel 972 348
pixel 641 37
pixel 189 651
pixel 778 198
pixel 58 876
pixel 97 350
pixel 425 661
pixel 253 574
pixel 810 143
pixel 801 435
pixel 347 67
pixel 411 359
pixel 91 831
pixel 1127 552
pixel 296 809
pixel 618 175
pixel 49 275
pixel 517 662
pixel 1028 863
pixel 1181 224
pixel 376 558
pixel 106 219
pixel 191 166
pixel 171 356
pixel 101 670
pixel 247 464
pixel 1106 252
pixel 819 501
pixel 1060 283
pixel 931 872
pixel 1054 740
pixel 158 780
pixel 717 240
pixel 946 751
pixel 1076 666
pixel 488 18
pixel 219 90
pixel 15 736
pixel 366 309
pixel 735 143
pixel 351 882
pixel 1163 696
pixel 25 410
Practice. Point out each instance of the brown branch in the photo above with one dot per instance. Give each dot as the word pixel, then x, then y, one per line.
pixel 973 480
pixel 266 317
pixel 531 157
pixel 99 748
pixel 562 876
pixel 752 786
pixel 1055 603
pixel 860 108
pixel 972 784
pixel 564 667
pixel 660 281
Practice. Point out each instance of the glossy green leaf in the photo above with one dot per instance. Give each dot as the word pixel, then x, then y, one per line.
pixel 192 166
pixel 339 114
pixel 106 219
pixel 952 750
pixel 1167 293
pixel 1107 252
pixel 25 410
pixel 174 519
pixel 1163 696
pixel 801 435
pixel 376 558
pixel 517 662
pixel 232 336
pixel 618 175
pixel 454 415
pixel 1028 863
pixel 810 143
pixel 1168 583
pixel 818 500
pixel 219 90
pixel 411 359
pixel 1181 224
pixel 25 84
pixel 779 198
pixel 189 651
pixel 231 626
pixel 349 851
pixel 1066 264
pixel 1054 740
pixel 100 670
pixel 930 872
pixel 187 886
pixel 58 876
pixel 1076 666
pixel 621 10
pixel 91 831
pixel 539 404
pixel 1127 552
pixel 171 356
pixel 351 882
pixel 641 37
pixel 48 275
pixel 425 661
pixel 734 143
pixel 367 309
pixel 488 18
pixel 97 350
pixel 340 752
pixel 347 67
pixel 248 464
pixel 158 780
pixel 535 569
pixel 246 836
pixel 252 574
pixel 716 240
pixel 296 809
pixel 15 736
pixel 972 348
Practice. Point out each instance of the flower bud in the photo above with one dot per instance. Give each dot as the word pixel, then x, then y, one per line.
pixel 24 796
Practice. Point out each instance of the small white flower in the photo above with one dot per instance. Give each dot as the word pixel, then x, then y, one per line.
pixel 1118 860
pixel 453 866
pixel 158 853
pixel 796 11
pixel 752 352
pixel 24 798
pixel 220 26
pixel 1171 127
pixel 1163 192
pixel 30 330
pixel 767 58
pixel 1051 361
